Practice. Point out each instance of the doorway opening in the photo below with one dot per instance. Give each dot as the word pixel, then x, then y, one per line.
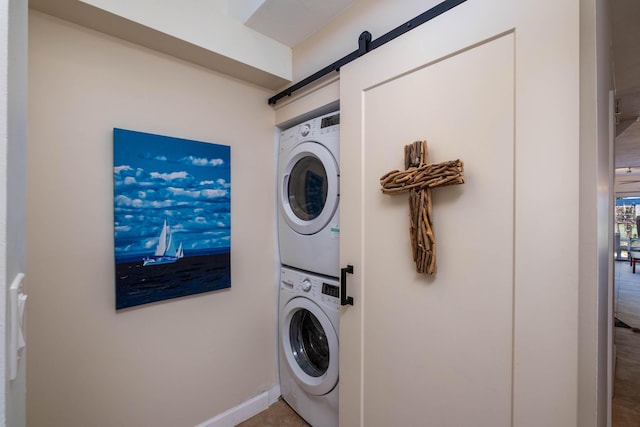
pixel 626 311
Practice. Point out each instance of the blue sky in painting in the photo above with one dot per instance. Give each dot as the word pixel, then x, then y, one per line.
pixel 188 183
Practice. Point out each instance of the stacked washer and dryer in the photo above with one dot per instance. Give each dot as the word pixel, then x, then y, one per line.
pixel 308 238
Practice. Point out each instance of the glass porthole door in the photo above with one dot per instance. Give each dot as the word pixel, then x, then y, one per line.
pixel 309 193
pixel 310 344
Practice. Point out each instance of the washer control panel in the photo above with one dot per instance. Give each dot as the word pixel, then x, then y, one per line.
pixel 318 288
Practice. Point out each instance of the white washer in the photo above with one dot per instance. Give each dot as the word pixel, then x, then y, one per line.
pixel 309 195
pixel 308 345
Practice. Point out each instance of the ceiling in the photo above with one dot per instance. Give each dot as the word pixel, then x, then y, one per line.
pixel 291 21
pixel 625 45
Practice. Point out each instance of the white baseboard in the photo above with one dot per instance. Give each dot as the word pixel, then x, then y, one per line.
pixel 245 410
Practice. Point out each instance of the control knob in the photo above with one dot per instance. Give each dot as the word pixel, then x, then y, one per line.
pixel 306 285
pixel 305 130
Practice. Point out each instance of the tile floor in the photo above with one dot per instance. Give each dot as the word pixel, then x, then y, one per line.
pixel 277 415
pixel 626 396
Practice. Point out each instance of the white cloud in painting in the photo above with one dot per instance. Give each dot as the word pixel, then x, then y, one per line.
pixel 181 192
pixel 161 204
pixel 201 161
pixel 122 200
pixel 118 169
pixel 211 194
pixel 169 176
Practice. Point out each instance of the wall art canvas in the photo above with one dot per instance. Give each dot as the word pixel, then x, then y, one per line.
pixel 172 217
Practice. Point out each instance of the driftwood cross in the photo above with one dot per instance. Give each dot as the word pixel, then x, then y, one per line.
pixel 418 178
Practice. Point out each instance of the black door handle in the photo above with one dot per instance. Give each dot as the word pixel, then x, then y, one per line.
pixel 344 299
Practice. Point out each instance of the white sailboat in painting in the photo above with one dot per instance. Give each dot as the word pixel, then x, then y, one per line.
pixel 166 251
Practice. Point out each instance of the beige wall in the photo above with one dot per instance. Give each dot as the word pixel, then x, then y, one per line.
pixel 175 363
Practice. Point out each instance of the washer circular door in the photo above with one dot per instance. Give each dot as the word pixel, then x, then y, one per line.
pixel 310 345
pixel 309 195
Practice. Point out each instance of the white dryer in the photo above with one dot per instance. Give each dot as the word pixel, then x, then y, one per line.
pixel 308 345
pixel 309 195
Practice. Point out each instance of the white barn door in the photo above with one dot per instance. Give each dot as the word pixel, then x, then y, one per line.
pixel 478 344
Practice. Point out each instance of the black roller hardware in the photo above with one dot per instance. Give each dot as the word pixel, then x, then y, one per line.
pixel 366 45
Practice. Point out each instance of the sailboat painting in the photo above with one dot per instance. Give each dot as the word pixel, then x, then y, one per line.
pixel 172 217
pixel 166 251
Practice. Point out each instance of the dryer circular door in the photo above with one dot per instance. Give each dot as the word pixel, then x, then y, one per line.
pixel 310 345
pixel 309 194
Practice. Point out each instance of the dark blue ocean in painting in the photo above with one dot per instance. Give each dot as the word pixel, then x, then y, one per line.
pixel 137 284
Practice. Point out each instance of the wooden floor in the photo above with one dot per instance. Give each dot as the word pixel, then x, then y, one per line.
pixel 626 399
pixel 277 415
